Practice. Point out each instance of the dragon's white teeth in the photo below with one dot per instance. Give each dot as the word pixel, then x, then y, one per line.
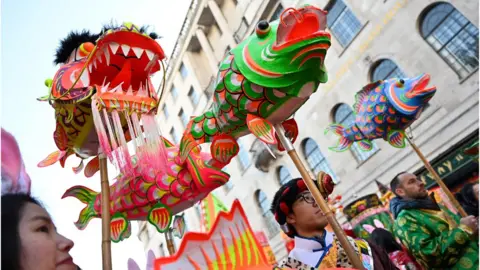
pixel 151 63
pixel 138 51
pixel 130 91
pixel 114 47
pixel 117 88
pixel 90 67
pixel 125 49
pixel 95 63
pixel 104 88
pixel 141 92
pixel 107 56
pixel 85 79
pixel 99 58
pixel 149 54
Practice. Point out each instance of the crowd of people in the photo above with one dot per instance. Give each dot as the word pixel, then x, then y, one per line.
pixel 426 235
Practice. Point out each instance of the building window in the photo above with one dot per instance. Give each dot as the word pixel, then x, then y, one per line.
pixel 283 175
pixel 243 156
pixel 242 29
pixel 165 110
pixel 174 93
pixel 174 135
pixel 183 71
pixel 315 159
pixel 264 205
pixel 385 69
pixel 452 36
pixel 342 22
pixel 344 115
pixel 193 96
pixel 277 13
pixel 183 117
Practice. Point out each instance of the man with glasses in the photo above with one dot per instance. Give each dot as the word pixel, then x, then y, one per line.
pixel 315 248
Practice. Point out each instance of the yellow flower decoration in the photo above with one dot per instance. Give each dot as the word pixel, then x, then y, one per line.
pixel 466 263
pixel 459 238
pixel 401 221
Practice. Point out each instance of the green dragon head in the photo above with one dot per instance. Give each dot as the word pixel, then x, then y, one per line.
pixel 287 51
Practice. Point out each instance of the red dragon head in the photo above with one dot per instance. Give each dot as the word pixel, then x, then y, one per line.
pixel 113 67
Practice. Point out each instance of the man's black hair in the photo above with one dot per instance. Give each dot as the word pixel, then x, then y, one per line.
pixel 395 182
pixel 287 197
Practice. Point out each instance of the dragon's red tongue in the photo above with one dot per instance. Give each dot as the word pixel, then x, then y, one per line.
pixel 124 76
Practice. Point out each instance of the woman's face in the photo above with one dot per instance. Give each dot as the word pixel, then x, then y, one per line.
pixel 42 247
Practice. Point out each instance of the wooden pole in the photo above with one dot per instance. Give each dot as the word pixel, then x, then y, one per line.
pixel 437 179
pixel 287 144
pixel 169 240
pixel 105 200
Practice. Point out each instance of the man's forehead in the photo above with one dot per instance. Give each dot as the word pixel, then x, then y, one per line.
pixel 406 176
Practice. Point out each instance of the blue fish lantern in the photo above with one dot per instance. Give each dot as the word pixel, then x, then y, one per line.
pixel 384 109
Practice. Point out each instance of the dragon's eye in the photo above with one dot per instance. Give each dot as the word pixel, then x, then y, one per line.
pixel 263 27
pixel 400 83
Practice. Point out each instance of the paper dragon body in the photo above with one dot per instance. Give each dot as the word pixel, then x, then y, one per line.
pixel 229 244
pixel 104 82
pixel 262 82
pixel 103 98
pixel 384 109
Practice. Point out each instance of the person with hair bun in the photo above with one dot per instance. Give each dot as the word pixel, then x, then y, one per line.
pixel 300 218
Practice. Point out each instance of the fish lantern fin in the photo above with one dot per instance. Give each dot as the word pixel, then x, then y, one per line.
pixel 291 132
pixel 362 96
pixel 160 216
pixel 396 138
pixel 365 145
pixel 223 148
pixel 343 143
pixel 120 228
pixel 51 159
pixel 261 128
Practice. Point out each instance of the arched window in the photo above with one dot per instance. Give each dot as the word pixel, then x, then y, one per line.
pixel 452 36
pixel 344 115
pixel 386 69
pixel 315 158
pixel 283 175
pixel 268 218
pixel 342 22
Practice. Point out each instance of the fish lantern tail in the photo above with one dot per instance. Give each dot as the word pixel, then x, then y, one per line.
pixel 343 142
pixel 87 196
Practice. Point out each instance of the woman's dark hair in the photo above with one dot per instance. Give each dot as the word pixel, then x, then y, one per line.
pixel 385 240
pixel 466 198
pixel 12 208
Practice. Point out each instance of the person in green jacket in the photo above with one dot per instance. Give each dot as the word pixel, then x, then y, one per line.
pixel 437 238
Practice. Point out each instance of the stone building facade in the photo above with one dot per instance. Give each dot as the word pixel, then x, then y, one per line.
pixel 371 40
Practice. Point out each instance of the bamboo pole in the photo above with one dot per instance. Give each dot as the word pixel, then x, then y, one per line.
pixel 437 178
pixel 105 201
pixel 287 144
pixel 169 240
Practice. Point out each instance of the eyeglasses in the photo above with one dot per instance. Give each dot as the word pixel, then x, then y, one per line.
pixel 307 198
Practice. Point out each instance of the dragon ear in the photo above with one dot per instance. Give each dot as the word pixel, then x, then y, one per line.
pixel 132 265
pixel 378 224
pixel 368 228
pixel 150 260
